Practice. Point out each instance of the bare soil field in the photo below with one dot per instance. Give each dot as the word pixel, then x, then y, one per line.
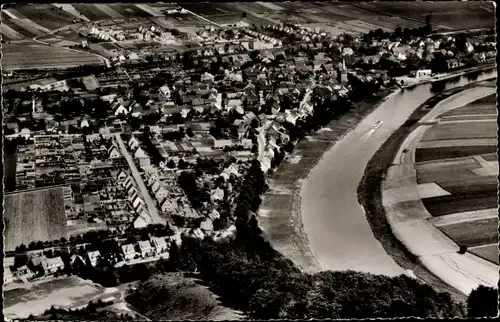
pixel 445 205
pixel 37 215
pixel 430 154
pixel 36 297
pixel 473 233
pixel 487 252
pixel 27 55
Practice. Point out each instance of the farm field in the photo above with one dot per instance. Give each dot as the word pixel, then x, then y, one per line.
pixel 36 215
pixel 40 56
pixel 66 292
pixel 454 15
pixel 487 252
pixel 445 205
pixel 459 157
pixel 430 154
pixel 473 233
pixel 461 130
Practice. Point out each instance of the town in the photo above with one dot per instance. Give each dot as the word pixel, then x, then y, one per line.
pixel 112 168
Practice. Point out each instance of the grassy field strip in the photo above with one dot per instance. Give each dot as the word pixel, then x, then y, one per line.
pixel 152 11
pixel 107 10
pixel 490 157
pixel 452 152
pixel 445 205
pixel 488 252
pixel 9 33
pixel 10 14
pixel 468 121
pixel 457 142
pixel 466 216
pixel 270 6
pixel 473 233
pixel 431 189
pixel 473 109
pixel 460 181
pixel 470 118
pixel 71 10
pixel 33 29
pixel 456 130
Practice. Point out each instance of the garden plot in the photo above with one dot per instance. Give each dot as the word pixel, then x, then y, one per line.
pixel 37 215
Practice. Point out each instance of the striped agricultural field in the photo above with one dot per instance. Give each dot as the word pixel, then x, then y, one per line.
pixel 70 9
pixel 9 14
pixel 151 10
pixel 108 10
pixel 47 15
pixel 8 33
pixel 488 252
pixel 91 11
pixel 30 26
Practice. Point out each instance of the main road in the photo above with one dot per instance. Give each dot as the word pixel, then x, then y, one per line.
pixel 150 203
pixel 335 223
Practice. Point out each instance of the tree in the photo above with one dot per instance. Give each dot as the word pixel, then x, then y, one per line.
pixel 482 302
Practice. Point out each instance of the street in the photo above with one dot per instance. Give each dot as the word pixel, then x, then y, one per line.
pixel 151 204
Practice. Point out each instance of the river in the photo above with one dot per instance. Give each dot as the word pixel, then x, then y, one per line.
pixel 334 222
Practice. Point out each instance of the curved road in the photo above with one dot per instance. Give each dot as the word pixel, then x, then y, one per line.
pixel 334 221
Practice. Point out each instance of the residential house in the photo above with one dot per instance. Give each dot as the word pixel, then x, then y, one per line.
pixel 165 90
pixel 161 194
pixel 145 248
pixel 93 257
pixel 113 153
pixel 207 226
pixel 159 244
pixel 48 266
pixel 169 205
pixel 128 252
pixel 76 261
pixel 7 275
pixel 133 143
pixel 23 273
pixel 119 109
pixel 143 219
pixel 217 194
